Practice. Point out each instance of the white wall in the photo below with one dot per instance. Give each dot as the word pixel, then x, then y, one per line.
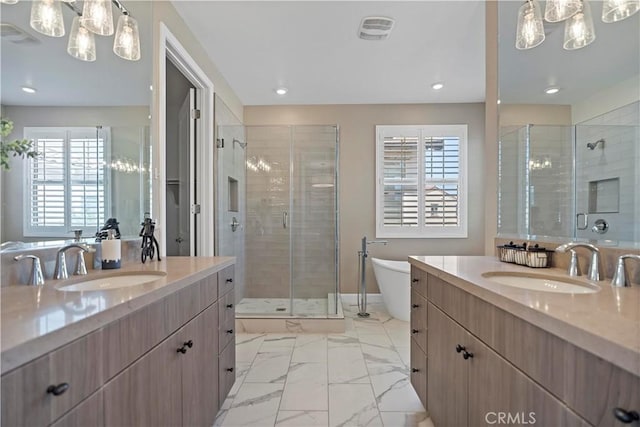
pixel 618 95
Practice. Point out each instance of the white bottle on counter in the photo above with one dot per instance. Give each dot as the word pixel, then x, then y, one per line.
pixel 111 258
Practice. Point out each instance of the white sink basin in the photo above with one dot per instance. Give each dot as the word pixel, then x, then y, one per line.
pixel 118 281
pixel 541 282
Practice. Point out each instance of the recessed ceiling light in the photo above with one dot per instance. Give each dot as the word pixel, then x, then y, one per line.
pixel 551 90
pixel 437 86
pixel 281 91
pixel 28 89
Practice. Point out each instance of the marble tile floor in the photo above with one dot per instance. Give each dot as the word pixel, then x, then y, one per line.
pixel 357 378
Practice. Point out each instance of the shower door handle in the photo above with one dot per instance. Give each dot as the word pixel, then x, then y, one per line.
pixel 585 223
pixel 285 216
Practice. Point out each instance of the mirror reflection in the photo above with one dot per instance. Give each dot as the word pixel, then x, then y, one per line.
pixel 89 120
pixel 569 157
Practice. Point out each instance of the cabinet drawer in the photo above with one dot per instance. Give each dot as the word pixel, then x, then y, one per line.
pixel 227 371
pixel 594 387
pixel 419 320
pixel 226 334
pixel 226 278
pixel 419 372
pixel 76 370
pixel 88 413
pixel 227 308
pixel 419 280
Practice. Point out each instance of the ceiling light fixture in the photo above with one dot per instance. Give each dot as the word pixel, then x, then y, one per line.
pixel 578 29
pixel 9 1
pixel 551 90
pixel 97 17
pixel 559 10
pixel 28 89
pixel 126 43
pixel 617 10
pixel 46 18
pixel 281 91
pixel 530 29
pixel 437 86
pixel 82 42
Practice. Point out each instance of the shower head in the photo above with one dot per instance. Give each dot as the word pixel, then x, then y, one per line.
pixel 593 145
pixel 240 143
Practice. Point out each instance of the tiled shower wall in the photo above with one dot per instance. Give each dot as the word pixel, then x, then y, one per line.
pixel 291 211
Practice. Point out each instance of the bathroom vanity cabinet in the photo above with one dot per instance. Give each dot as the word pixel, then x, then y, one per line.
pixel 482 361
pixel 166 363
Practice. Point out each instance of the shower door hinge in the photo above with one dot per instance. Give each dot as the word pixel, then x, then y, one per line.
pixel 195 209
pixel 220 143
pixel 195 114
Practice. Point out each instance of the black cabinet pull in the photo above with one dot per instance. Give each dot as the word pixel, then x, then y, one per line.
pixel 189 343
pixel 460 348
pixel 229 331
pixel 626 417
pixel 415 370
pixel 229 369
pixel 466 355
pixel 229 305
pixel 182 349
pixel 229 280
pixel 414 331
pixel 414 280
pixel 415 305
pixel 59 389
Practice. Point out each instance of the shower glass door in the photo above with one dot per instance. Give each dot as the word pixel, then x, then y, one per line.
pixel 291 225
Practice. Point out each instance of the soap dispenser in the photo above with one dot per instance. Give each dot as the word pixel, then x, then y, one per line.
pixel 111 258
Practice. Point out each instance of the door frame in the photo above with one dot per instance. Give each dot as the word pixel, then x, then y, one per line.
pixel 171 48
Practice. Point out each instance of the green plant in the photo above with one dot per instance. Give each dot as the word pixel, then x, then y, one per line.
pixel 17 147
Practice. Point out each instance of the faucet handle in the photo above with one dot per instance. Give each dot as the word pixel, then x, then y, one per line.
pixel 619 277
pixel 36 279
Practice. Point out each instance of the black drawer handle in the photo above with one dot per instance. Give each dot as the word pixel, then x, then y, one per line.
pixel 414 331
pixel 229 331
pixel 460 348
pixel 182 349
pixel 189 343
pixel 415 305
pixel 626 417
pixel 415 280
pixel 415 370
pixel 229 369
pixel 59 389
pixel 229 305
pixel 229 280
pixel 466 355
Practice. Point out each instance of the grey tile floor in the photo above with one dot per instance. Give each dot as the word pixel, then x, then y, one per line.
pixel 358 378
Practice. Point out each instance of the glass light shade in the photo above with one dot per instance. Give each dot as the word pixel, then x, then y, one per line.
pixel 97 17
pixel 578 30
pixel 126 43
pixel 559 10
pixel 617 10
pixel 9 1
pixel 46 18
pixel 530 29
pixel 82 42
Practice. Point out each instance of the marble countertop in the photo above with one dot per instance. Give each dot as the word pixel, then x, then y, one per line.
pixel 39 319
pixel 605 323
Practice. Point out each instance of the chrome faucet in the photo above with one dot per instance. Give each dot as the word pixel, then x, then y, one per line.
pixel 36 279
pixel 61 261
pixel 594 270
pixel 619 277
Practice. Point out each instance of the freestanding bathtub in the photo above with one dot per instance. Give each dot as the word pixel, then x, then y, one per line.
pixel 393 281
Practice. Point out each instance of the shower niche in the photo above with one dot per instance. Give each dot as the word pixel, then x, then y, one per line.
pixel 570 182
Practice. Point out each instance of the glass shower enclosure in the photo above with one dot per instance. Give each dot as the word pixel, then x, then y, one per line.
pixel 291 232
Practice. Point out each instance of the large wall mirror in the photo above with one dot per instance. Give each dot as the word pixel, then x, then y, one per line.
pixel 91 121
pixel 569 161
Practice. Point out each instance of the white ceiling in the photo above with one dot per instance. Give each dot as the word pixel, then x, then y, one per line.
pixel 312 48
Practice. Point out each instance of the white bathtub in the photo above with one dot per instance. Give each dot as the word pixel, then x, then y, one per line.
pixel 393 281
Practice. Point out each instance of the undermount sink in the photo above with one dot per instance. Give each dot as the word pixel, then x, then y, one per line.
pixel 116 281
pixel 541 282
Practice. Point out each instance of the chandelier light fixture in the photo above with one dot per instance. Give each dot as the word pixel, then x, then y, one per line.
pixel 578 30
pixel 96 17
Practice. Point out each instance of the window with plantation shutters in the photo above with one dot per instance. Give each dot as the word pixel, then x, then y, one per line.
pixel 66 185
pixel 421 181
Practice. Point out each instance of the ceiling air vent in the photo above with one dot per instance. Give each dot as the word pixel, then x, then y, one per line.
pixel 13 34
pixel 375 28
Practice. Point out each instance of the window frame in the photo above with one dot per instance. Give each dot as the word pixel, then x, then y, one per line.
pixel 67 133
pixel 421 230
